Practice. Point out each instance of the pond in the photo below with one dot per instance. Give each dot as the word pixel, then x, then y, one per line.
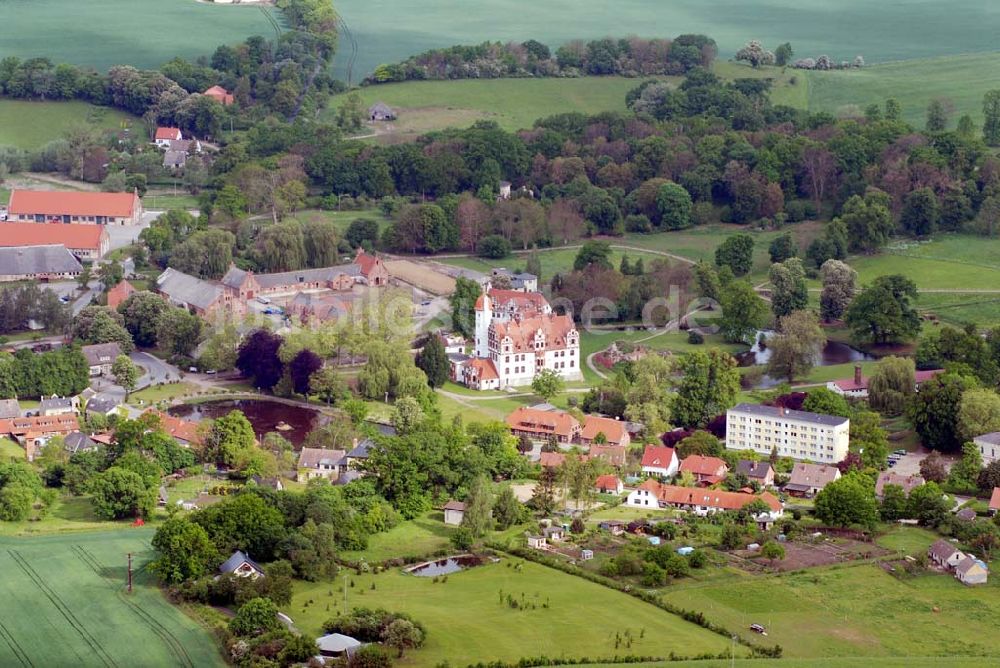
pixel 292 422
pixel 446 566
pixel 832 353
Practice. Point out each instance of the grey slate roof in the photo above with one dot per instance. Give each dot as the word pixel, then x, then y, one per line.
pixel 233 562
pixel 175 158
pixel 753 469
pixel 55 402
pixel 28 260
pixel 234 277
pixel 776 412
pixel 187 289
pixel 942 550
pixel 77 441
pixel 103 403
pixel 101 353
pixel 321 275
pixel 9 408
pixel 311 458
pixel 806 476
pixel 992 438
pixel 360 451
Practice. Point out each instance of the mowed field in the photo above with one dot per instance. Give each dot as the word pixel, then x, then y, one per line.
pixel 390 30
pixel 30 125
pixel 467 622
pixel 143 33
pixel 65 604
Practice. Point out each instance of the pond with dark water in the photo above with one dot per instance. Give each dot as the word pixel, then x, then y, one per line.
pixel 292 422
pixel 446 566
pixel 831 354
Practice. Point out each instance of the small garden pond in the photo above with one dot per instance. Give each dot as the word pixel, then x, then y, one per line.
pixel 446 565
pixel 292 422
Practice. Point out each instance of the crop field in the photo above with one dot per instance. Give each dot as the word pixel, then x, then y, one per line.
pixel 30 125
pixel 814 27
pixel 143 33
pixel 466 620
pixel 856 611
pixel 66 604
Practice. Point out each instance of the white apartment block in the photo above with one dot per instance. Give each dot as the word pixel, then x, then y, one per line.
pixel 796 434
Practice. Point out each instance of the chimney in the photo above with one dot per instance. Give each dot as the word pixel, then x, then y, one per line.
pixel 857 374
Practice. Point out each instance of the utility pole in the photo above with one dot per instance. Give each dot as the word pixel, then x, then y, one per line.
pixel 345 594
pixel 130 572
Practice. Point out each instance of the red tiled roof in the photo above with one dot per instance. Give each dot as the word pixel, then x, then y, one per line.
pixel 86 237
pixel 848 384
pixel 179 428
pixel 487 370
pixel 551 460
pixel 522 333
pixel 60 203
pixel 658 456
pixel 42 424
pixel 119 294
pixel 543 422
pixel 613 454
pixel 995 499
pixel 366 262
pixel 607 482
pixel 519 300
pixel 701 465
pixel 168 133
pixel 907 482
pixel 718 499
pixel 613 430
pixel 219 93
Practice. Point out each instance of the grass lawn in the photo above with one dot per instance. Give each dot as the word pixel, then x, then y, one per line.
pixel 858 611
pixel 10 451
pixel 418 537
pixel 939 274
pixel 960 308
pixel 30 125
pixel 466 621
pixel 102 33
pixel 908 540
pixel 72 608
pixel 343 219
pixel 165 392
pixel 160 202
pixel 67 514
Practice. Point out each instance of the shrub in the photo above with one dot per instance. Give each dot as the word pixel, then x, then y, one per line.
pixel 494 247
pixel 695 337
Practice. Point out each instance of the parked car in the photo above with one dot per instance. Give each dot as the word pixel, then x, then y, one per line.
pixel 757 628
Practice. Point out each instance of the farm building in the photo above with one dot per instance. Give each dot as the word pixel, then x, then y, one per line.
pixel 86 242
pixel 40 263
pixel 380 111
pixel 454 513
pixel 56 206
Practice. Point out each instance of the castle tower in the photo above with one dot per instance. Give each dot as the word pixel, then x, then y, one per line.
pixel 484 316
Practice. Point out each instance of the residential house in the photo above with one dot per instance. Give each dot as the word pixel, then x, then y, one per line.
pixel 706 470
pixel 541 425
pixel 103 404
pixel 659 461
pixel 164 136
pixel 55 405
pixel 972 571
pixel 613 432
pixel 609 484
pixel 796 434
pixel 551 460
pixel 9 408
pixel 989 447
pixel 521 281
pixel 454 512
pixel 335 645
pixel 453 343
pixel 358 454
pixel 38 263
pixel 653 494
pixel 185 432
pixel 760 472
pixel 966 514
pixel 944 554
pixel 118 294
pixel 86 242
pixel 101 357
pixel 58 206
pixel 612 454
pixel 320 463
pixel 380 111
pixel 77 441
pixel 220 95
pixel 857 387
pixel 174 159
pixel 34 432
pixel 242 566
pixel 808 479
pixel 907 482
pixel 995 501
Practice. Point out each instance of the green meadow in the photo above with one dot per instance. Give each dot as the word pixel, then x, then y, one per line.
pixel 29 125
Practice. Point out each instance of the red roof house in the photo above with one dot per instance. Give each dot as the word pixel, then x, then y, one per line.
pixel 659 460
pixel 220 94
pixel 995 501
pixel 119 294
pixel 164 136
pixel 706 470
pixel 614 431
pixel 539 424
pixel 608 484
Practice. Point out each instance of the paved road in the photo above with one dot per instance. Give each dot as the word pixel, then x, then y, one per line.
pixel 157 371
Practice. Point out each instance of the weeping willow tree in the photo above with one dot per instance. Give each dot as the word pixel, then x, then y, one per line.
pixel 892 385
